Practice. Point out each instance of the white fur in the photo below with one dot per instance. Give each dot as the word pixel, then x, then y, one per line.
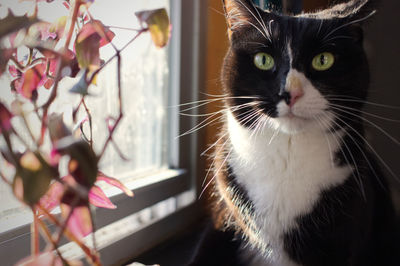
pixel 285 165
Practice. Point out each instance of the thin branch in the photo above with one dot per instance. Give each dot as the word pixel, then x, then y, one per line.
pixel 90 121
pixel 118 150
pixel 66 220
pixel 116 54
pixel 76 110
pixel 120 115
pixel 35 246
pixel 92 255
pixel 33 63
pixel 60 65
pixel 49 238
pixel 28 128
pixel 2 176
pixel 123 28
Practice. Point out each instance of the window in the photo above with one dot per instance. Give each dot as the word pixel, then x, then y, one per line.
pixel 161 169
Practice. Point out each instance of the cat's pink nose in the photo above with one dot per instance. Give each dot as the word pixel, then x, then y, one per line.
pixel 295 95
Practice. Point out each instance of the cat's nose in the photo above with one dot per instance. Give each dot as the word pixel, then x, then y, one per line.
pixel 295 95
pixel 292 96
pixel 294 88
pixel 284 95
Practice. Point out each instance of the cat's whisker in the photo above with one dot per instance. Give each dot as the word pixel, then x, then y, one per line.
pixel 209 121
pixel 214 144
pixel 362 150
pixel 338 37
pixel 201 115
pixel 234 108
pixel 320 27
pixel 366 113
pixel 358 177
pixel 202 124
pixel 356 100
pixel 276 132
pixel 213 161
pixel 215 95
pixel 259 20
pixel 369 122
pixel 208 101
pixel 349 23
pixel 259 43
pixel 371 148
pixel 216 98
pixel 216 173
pixel 321 124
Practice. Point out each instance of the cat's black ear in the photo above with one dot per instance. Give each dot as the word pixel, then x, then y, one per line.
pixel 239 13
pixel 356 10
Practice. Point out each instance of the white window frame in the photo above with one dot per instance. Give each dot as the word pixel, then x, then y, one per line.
pixel 186 80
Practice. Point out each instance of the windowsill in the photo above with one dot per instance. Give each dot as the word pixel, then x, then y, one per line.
pixel 148 191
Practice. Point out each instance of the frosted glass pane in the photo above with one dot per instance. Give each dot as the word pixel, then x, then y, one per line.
pixel 141 134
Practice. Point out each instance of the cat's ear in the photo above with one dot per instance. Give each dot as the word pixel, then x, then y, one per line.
pixel 353 14
pixel 356 10
pixel 238 13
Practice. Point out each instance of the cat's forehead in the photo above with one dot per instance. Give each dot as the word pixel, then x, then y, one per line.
pixel 280 30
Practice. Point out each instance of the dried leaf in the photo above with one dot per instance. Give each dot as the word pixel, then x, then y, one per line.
pixel 83 162
pixel 99 199
pixel 158 22
pixel 42 31
pixel 12 23
pixel 87 47
pixel 82 86
pixel 31 80
pixel 114 182
pixel 32 178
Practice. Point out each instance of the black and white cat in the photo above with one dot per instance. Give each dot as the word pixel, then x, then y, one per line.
pixel 295 182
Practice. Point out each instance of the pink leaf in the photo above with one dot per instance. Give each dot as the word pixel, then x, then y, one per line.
pixel 31 80
pixel 46 258
pixel 79 223
pixel 114 182
pixel 99 199
pixel 5 118
pixel 66 4
pixel 87 47
pixel 53 196
pixel 14 72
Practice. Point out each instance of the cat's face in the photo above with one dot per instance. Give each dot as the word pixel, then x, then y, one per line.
pixel 293 73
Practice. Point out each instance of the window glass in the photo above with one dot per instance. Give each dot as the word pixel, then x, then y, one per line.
pixel 141 136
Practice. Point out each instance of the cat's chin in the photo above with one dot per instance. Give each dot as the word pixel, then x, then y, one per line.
pixel 291 124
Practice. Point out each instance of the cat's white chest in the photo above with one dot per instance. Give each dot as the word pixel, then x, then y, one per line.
pixel 283 174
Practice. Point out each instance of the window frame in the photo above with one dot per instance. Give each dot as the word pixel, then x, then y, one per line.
pixel 186 80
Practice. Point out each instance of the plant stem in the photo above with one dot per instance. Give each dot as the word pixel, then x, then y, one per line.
pixel 92 255
pixel 35 246
pixel 2 176
pixel 90 121
pixel 49 238
pixel 53 95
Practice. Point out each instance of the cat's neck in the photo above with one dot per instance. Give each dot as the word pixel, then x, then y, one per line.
pixel 284 173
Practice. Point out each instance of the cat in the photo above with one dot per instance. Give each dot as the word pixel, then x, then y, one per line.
pixel 294 180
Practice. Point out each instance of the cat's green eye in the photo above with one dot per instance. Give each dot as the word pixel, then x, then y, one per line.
pixel 264 61
pixel 323 61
